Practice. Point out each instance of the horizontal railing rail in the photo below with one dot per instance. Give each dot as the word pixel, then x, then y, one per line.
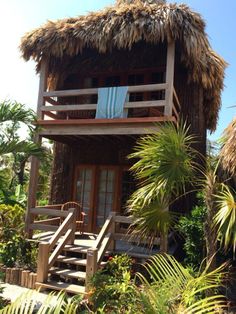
pixel 54 105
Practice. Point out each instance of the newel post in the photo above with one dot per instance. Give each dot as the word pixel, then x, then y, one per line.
pixel 72 225
pixel 91 266
pixel 112 230
pixel 42 265
pixel 170 70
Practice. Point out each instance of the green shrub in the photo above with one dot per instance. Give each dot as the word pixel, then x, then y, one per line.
pixel 192 228
pixel 15 250
pixel 112 289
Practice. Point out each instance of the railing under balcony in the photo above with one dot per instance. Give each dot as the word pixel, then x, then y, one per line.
pixel 56 108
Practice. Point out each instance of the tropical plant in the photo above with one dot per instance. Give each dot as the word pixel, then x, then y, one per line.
pixel 14 248
pixel 166 165
pixel 172 289
pixel 191 227
pixel 225 218
pixel 28 303
pixel 112 290
pixel 15 151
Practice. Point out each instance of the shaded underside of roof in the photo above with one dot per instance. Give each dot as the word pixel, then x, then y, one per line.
pixel 228 151
pixel 128 22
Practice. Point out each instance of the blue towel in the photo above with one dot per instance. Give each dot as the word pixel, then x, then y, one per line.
pixel 111 102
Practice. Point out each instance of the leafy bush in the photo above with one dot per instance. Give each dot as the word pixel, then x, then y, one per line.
pixel 112 290
pixel 15 250
pixel 192 228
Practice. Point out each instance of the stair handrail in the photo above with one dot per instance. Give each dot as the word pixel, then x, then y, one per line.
pixel 97 251
pixel 45 260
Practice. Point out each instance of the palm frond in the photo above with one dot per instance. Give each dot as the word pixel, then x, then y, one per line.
pixel 172 289
pixel 14 111
pixel 166 159
pixel 225 218
pixel 55 303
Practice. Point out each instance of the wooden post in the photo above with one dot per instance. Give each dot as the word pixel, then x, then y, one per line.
pixel 112 245
pixel 73 225
pixel 8 274
pixel 34 161
pixel 91 266
pixel 42 265
pixel 170 70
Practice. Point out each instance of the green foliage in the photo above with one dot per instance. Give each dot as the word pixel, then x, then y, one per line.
pixel 14 248
pixel 225 218
pixel 165 161
pixel 112 290
pixel 192 229
pixel 15 152
pixel 174 290
pixel 165 166
pixel 55 303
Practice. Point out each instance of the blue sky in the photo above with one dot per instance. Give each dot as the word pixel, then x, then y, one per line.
pixel 18 80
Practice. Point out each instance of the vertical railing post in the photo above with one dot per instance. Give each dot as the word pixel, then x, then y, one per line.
pixel 170 69
pixel 42 265
pixel 112 245
pixel 91 266
pixel 73 225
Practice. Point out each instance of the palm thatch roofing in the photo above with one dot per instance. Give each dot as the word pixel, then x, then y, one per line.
pixel 126 23
pixel 228 151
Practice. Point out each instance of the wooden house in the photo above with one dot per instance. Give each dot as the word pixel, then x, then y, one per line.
pixel 160 53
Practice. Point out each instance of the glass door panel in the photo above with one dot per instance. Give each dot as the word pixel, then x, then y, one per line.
pixel 106 191
pixel 84 190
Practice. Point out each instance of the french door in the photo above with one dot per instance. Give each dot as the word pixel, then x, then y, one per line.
pixel 97 190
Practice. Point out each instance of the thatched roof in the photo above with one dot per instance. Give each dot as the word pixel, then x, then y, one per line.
pixel 228 151
pixel 127 23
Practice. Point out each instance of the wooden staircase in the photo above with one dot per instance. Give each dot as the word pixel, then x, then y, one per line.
pixel 65 265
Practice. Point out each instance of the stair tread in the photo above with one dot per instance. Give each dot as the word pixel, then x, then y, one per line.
pixel 68 273
pixel 54 285
pixel 76 248
pixel 74 260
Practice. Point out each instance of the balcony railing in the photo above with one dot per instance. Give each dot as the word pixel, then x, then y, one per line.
pixel 56 108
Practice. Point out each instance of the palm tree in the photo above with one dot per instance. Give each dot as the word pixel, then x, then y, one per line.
pixel 166 165
pixel 15 152
pixel 173 289
pixel 15 113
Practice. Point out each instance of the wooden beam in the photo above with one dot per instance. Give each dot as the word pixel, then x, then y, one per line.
pixel 133 104
pixel 42 87
pixel 32 190
pixel 104 121
pixel 50 114
pixel 94 91
pixel 170 67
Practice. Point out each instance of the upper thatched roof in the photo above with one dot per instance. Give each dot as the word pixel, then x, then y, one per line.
pixel 128 22
pixel 228 151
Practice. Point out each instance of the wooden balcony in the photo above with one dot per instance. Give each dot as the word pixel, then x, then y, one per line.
pixel 58 118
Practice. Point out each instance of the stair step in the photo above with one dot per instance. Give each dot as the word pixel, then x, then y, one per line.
pixel 76 248
pixel 74 261
pixel 68 273
pixel 54 285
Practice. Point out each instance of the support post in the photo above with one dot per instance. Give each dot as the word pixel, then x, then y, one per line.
pixel 73 225
pixel 34 161
pixel 42 265
pixel 112 245
pixel 170 69
pixel 91 266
